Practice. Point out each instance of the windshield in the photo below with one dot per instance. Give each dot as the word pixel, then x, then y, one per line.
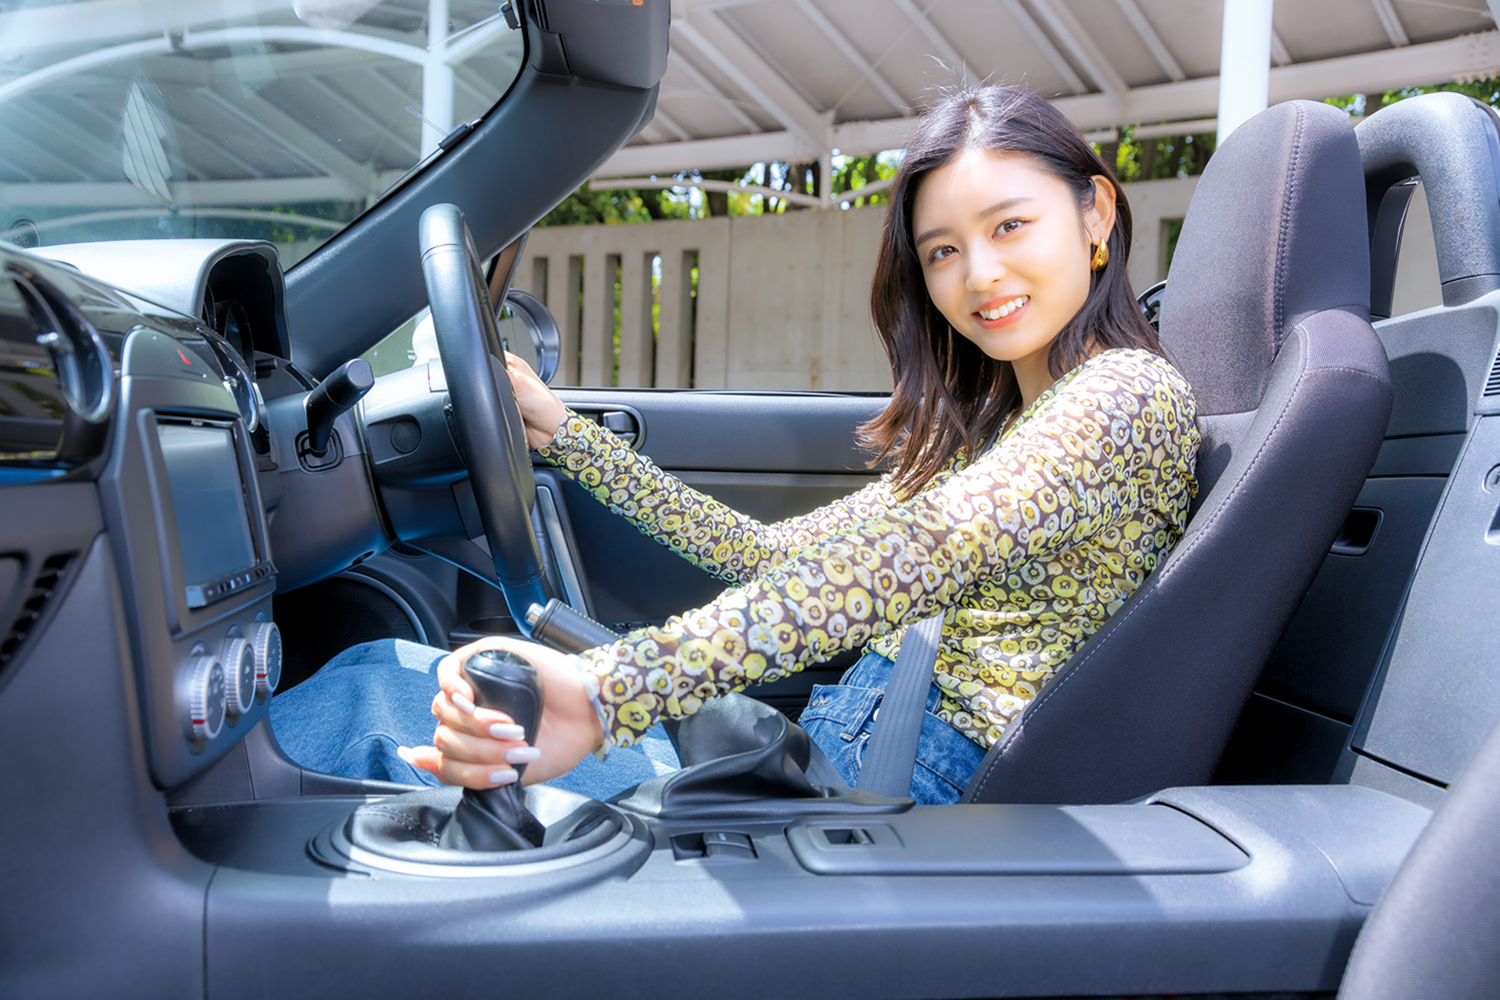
pixel 281 120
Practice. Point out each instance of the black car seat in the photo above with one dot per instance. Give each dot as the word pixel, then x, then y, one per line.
pixel 1266 312
pixel 1436 930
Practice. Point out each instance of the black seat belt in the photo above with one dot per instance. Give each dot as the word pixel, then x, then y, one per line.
pixel 891 756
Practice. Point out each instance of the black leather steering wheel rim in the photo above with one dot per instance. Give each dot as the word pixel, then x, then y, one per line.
pixel 491 434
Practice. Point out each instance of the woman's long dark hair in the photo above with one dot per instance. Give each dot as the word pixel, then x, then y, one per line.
pixel 948 393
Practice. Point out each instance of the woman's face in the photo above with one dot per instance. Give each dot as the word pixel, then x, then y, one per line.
pixel 1005 252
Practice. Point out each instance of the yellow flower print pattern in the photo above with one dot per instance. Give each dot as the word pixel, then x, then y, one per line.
pixel 1027 550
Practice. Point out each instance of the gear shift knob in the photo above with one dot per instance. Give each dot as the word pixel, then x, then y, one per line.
pixel 496 819
pixel 505 682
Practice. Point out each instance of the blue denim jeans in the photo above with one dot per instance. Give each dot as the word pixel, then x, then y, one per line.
pixel 840 717
pixel 349 717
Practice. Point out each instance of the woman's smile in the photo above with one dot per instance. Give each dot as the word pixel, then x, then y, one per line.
pixel 999 312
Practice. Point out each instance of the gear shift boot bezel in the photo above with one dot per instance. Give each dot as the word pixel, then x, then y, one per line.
pixel 403 835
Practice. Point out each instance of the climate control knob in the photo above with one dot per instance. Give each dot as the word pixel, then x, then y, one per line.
pixel 206 699
pixel 266 642
pixel 239 673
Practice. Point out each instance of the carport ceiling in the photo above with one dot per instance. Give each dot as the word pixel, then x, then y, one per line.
pixel 756 80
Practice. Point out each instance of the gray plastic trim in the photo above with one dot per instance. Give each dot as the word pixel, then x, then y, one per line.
pixel 1439 358
pixel 562 552
pixel 1017 840
pixel 1435 695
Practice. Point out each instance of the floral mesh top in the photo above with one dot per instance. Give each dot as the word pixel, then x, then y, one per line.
pixel 1028 550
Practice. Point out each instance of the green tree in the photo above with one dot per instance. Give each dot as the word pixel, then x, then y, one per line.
pixel 588 207
pixel 1158 158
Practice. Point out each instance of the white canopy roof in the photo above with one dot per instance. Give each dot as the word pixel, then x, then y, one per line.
pixel 756 80
pixel 115 108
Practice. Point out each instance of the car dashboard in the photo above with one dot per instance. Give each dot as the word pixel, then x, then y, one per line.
pixel 163 409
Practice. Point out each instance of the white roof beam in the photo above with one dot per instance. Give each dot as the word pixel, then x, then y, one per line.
pixel 207 40
pixel 1082 48
pixel 398 96
pixel 929 31
pixel 1279 55
pixel 45 154
pixel 1046 48
pixel 1390 22
pixel 89 24
pixel 296 63
pixel 183 128
pixel 474 86
pixel 855 57
pixel 665 121
pixel 707 154
pixel 201 194
pixel 282 130
pixel 757 45
pixel 66 128
pixel 364 117
pixel 689 7
pixel 471 41
pixel 761 82
pixel 1426 63
pixel 1159 50
pixel 675 58
pixel 725 187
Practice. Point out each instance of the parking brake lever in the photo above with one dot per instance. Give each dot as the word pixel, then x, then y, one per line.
pixel 496 819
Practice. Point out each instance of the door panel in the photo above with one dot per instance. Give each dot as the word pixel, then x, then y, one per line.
pixel 768 455
pixel 1329 654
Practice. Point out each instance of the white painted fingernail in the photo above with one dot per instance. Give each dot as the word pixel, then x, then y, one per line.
pixel 523 755
pixel 504 776
pixel 405 753
pixel 506 731
pixel 463 703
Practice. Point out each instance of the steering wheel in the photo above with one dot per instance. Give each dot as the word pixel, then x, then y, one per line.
pixel 491 435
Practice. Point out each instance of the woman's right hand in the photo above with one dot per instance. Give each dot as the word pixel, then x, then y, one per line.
pixel 541 410
pixel 478 747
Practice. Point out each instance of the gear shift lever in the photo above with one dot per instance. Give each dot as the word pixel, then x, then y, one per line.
pixel 496 819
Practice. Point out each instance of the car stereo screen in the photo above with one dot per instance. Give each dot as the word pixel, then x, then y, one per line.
pixel 213 530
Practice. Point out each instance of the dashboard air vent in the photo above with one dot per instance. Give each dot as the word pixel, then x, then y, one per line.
pixel 37 597
pixel 1492 384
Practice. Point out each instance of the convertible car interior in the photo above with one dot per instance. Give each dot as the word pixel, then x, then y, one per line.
pixel 206 492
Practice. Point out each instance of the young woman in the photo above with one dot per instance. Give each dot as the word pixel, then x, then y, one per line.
pixel 1042 449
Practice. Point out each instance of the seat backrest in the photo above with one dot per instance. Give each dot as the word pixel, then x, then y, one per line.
pixel 1266 313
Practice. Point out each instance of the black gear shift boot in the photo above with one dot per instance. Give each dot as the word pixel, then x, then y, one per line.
pixel 417 832
pixel 496 819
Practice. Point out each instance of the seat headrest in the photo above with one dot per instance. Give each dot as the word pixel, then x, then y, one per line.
pixel 1276 231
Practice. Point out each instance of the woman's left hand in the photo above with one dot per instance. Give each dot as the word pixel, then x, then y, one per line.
pixel 478 747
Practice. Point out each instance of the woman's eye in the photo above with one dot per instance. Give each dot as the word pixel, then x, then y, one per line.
pixel 1009 226
pixel 938 253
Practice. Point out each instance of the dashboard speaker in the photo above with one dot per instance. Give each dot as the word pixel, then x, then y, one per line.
pixel 323 619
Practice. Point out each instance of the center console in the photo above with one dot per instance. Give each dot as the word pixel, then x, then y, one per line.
pixel 183 503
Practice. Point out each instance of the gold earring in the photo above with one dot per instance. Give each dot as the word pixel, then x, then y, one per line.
pixel 1101 257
